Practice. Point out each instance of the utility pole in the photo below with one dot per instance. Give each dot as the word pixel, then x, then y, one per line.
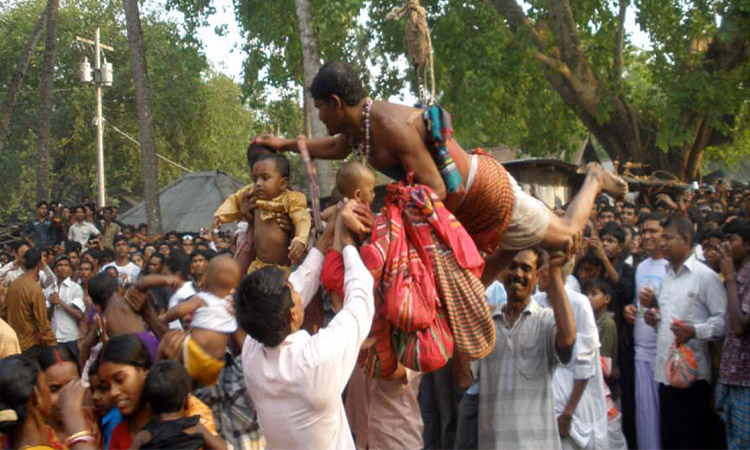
pixel 102 77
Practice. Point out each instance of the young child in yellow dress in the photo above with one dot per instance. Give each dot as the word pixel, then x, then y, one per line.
pixel 267 244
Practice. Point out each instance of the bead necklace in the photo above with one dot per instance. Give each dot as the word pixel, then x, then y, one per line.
pixel 362 149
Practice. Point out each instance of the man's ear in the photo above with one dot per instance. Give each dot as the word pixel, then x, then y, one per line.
pixel 336 101
pixel 607 299
pixel 284 183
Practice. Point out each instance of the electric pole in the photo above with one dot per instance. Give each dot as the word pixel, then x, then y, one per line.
pixel 102 76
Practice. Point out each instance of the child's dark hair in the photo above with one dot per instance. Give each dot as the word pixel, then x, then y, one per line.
pixel 255 151
pixel 167 387
pixel 601 284
pixel 282 164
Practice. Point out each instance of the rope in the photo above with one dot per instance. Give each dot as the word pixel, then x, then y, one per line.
pixel 311 174
pixel 419 46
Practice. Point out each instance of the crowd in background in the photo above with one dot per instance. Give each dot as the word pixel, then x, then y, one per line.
pixel 666 280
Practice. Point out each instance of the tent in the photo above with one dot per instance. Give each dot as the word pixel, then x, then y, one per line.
pixel 190 202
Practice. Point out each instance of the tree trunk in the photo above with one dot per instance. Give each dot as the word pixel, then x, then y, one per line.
pixel 15 83
pixel 311 65
pixel 45 101
pixel 146 134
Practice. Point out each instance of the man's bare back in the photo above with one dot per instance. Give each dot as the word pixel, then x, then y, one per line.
pixel 400 130
pixel 121 319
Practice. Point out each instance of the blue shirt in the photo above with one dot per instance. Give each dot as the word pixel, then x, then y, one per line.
pixel 109 423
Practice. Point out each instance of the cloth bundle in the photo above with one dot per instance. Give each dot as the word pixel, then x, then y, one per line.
pixel 428 297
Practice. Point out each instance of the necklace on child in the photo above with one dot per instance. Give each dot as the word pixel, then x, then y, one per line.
pixel 362 149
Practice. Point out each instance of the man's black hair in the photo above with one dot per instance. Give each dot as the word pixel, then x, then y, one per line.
pixel 683 226
pixel 77 207
pixel 282 164
pixel 31 258
pixel 715 217
pixel 171 233
pixel 96 254
pixel 40 203
pixel 652 216
pixel 142 225
pixel 179 263
pixel 628 205
pixel 161 257
pixel 62 257
pixel 108 253
pixel 167 387
pixel 614 230
pixel 225 251
pixel 610 209
pixel 708 234
pixel 128 227
pixel 73 246
pixel 102 287
pixel 740 228
pixel 255 151
pixel 338 78
pixel 262 305
pixel 198 252
pixel 118 238
pixel 85 261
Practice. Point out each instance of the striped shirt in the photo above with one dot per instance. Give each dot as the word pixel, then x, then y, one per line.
pixel 516 408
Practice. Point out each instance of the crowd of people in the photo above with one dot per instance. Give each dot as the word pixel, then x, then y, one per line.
pixel 619 321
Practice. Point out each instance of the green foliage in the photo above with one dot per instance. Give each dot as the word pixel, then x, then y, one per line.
pixel 200 119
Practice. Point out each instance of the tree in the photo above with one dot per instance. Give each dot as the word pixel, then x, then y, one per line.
pixel 200 119
pixel 15 84
pixel 45 101
pixel 698 67
pixel 147 136
pixel 311 66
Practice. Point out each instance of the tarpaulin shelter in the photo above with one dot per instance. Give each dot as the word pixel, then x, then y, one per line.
pixel 190 202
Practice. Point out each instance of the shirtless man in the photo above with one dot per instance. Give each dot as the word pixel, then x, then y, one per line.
pixel 486 200
pixel 121 315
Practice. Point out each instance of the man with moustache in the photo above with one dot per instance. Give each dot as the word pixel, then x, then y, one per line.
pixel 516 408
pixel 690 310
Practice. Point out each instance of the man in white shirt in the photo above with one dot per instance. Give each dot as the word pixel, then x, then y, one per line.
pixel 691 308
pixel 578 387
pixel 648 278
pixel 296 380
pixel 66 300
pixel 127 270
pixel 81 231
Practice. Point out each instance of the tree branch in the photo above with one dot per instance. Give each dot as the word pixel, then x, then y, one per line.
pixel 620 40
pixel 568 41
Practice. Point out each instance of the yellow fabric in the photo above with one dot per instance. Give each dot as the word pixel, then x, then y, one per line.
pixel 229 211
pixel 293 203
pixel 197 407
pixel 257 264
pixel 201 366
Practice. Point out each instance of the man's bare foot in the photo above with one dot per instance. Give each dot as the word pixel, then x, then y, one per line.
pixel 610 183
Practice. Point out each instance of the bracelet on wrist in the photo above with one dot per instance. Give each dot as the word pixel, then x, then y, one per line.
pixel 78 438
